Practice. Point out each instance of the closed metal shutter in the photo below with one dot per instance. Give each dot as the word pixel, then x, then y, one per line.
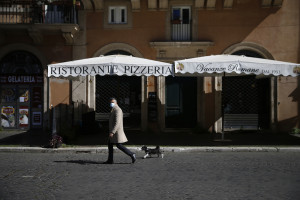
pixel 127 91
pixel 240 103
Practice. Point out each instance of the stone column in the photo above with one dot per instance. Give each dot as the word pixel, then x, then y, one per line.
pixel 274 102
pixel 144 104
pixel 200 102
pixel 218 104
pixel 161 101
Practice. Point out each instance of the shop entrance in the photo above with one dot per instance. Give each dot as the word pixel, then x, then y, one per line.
pixel 21 89
pixel 246 103
pixel 181 102
pixel 246 100
pixel 21 106
pixel 127 91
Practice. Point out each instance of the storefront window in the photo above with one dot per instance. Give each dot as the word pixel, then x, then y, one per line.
pixel 8 119
pixel 23 95
pixel 21 91
pixel 8 95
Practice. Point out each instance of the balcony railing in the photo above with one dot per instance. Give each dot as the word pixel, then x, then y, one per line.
pixel 181 31
pixel 33 11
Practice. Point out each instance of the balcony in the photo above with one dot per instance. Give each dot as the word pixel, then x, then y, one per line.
pixel 40 18
pixel 38 12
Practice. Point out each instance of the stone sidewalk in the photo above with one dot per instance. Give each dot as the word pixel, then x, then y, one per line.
pixel 34 141
pixel 83 149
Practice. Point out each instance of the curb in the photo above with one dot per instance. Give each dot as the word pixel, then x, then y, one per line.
pixel 138 149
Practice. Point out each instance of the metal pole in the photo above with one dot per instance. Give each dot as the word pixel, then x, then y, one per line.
pixel 53 121
pixel 222 107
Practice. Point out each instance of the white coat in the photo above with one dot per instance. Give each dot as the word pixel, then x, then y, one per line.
pixel 116 125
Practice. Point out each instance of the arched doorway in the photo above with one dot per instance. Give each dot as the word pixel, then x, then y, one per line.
pixel 246 100
pixel 21 91
pixel 127 91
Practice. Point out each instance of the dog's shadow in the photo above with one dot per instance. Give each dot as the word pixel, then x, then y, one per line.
pixel 87 162
pixel 150 157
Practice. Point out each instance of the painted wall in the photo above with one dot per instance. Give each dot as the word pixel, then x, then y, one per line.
pixel 60 91
pixel 147 26
pixel 273 29
pixel 50 48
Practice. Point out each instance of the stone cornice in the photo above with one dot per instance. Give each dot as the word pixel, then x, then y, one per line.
pixel 271 3
pixel 35 35
pixel 208 4
pixel 181 44
pixel 170 51
pixel 37 31
pixel 136 5
pixel 92 4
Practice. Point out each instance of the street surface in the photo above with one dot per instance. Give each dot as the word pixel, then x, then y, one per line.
pixel 226 175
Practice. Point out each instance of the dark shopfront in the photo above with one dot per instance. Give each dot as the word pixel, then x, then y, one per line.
pixel 127 90
pixel 21 101
pixel 21 91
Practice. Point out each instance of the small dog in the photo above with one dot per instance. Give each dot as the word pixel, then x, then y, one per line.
pixel 150 152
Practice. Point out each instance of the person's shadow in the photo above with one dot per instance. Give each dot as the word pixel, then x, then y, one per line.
pixel 87 162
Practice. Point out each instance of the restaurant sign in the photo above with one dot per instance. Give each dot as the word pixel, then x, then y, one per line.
pixel 219 64
pixel 120 70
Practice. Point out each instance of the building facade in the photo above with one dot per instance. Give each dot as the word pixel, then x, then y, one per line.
pixel 36 33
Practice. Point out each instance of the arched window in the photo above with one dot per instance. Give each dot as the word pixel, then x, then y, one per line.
pixel 118 52
pixel 248 53
pixel 20 63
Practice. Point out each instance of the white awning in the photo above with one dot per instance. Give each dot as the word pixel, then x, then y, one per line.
pixel 111 65
pixel 218 64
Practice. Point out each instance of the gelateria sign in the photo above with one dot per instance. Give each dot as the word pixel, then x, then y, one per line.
pixel 20 79
pixel 220 64
pixel 111 65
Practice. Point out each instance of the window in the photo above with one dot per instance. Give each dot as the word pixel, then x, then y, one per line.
pixel 117 15
pixel 181 23
pixel 181 14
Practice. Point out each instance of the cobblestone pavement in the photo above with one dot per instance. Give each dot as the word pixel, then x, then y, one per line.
pixel 226 175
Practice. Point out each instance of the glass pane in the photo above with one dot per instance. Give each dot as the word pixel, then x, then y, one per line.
pixel 123 18
pixel 23 116
pixel 173 95
pixel 37 97
pixel 185 16
pixel 112 15
pixel 23 95
pixel 8 95
pixel 8 119
pixel 176 14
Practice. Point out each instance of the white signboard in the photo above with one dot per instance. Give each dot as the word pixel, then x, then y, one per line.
pixel 236 64
pixel 111 65
pixel 120 70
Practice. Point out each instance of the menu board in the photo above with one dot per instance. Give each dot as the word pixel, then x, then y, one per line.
pixel 37 97
pixel 37 118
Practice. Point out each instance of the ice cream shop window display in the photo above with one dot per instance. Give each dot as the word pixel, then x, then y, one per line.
pixel 21 85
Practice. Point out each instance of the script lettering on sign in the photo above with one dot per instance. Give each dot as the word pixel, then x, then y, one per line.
pixel 209 68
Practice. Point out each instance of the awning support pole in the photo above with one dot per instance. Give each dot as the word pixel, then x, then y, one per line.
pixel 222 107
